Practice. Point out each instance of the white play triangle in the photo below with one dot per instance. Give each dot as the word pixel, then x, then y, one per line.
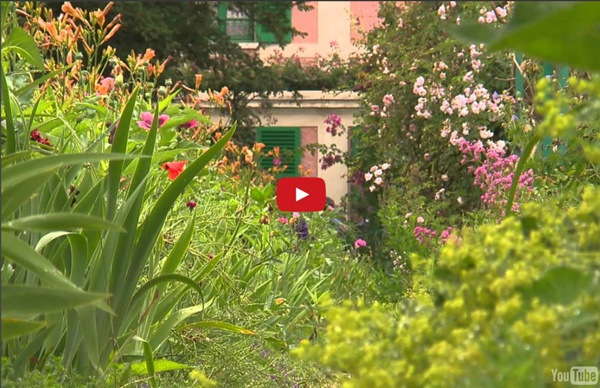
pixel 300 194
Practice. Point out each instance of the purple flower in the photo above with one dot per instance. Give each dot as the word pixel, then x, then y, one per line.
pixel 495 96
pixel 302 229
pixel 147 118
pixel 276 162
pixel 515 117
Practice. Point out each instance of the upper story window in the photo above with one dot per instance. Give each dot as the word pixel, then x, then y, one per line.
pixel 242 29
pixel 239 27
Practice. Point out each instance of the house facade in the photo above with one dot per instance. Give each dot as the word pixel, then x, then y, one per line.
pixel 289 124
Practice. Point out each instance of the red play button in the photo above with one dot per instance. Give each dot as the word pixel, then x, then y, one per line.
pixel 301 194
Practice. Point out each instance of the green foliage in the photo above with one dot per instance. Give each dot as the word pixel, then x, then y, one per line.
pixel 84 298
pixel 491 314
pixel 503 303
pixel 560 32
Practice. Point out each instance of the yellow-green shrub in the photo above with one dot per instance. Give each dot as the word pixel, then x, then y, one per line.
pixel 504 306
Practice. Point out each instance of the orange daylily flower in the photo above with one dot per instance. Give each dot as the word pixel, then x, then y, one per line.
pixel 198 81
pixel 51 28
pixel 148 55
pixel 69 10
pixel 111 33
pixel 107 8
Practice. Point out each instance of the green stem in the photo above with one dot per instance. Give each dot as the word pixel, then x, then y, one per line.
pixel 11 134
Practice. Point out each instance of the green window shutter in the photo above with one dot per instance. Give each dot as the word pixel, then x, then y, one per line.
pixel 264 35
pixel 222 16
pixel 288 141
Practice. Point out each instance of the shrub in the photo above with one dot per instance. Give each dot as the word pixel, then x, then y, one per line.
pixel 505 305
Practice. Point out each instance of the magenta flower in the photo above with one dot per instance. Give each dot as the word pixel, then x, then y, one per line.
pixel 283 220
pixel 360 243
pixel 189 125
pixel 148 117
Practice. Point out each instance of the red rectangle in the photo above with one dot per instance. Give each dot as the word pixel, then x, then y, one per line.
pixel 301 194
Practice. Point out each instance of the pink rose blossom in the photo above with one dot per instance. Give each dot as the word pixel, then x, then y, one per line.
pixel 359 243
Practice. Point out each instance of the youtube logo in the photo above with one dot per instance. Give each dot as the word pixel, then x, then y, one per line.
pixel 301 194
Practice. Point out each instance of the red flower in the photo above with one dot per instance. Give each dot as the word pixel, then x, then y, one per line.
pixel 191 204
pixel 174 168
pixel 35 135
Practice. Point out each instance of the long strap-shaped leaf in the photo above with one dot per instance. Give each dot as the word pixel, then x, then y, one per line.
pixel 119 146
pixel 16 173
pixel 126 242
pixel 16 250
pixel 153 224
pixel 31 301
pixel 60 221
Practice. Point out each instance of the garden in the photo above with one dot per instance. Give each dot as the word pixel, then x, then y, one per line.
pixel 142 245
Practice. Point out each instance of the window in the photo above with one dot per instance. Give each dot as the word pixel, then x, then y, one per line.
pixel 242 29
pixel 288 141
pixel 237 25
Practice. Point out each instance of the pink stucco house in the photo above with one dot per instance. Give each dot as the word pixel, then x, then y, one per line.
pixel 286 124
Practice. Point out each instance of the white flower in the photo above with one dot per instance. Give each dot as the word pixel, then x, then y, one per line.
pixel 378 172
pixel 374 168
pixel 460 200
pixel 468 77
pixel 420 220
pixel 368 176
pixel 486 134
pixel 442 12
pixel 407 215
pixel 439 193
pixel 378 180
pixel 445 178
pixel 385 166
pixel 372 188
